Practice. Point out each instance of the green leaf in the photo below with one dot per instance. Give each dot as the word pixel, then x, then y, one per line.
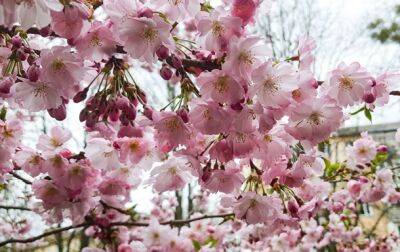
pixel 211 242
pixel 196 245
pixel 358 111
pixel 3 113
pixel 368 114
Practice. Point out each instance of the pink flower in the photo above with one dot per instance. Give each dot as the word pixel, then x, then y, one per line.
pixel 206 118
pixel 141 37
pixel 171 175
pixel 273 145
pixel 217 29
pixel 70 23
pixel 222 151
pixel 273 84
pixel 37 12
pixel 102 154
pixel 30 161
pixel 51 195
pixel 382 85
pixel 97 44
pixel 225 181
pixel 63 68
pixel 36 96
pixel 55 142
pixel 133 149
pixel 178 10
pixel 156 234
pixel 306 46
pixel 363 149
pixel 245 9
pixel 347 84
pixel 77 176
pixel 255 208
pixel 220 87
pixel 244 56
pixel 170 130
pixel 314 120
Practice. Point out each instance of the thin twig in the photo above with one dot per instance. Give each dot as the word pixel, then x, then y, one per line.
pixel 127 224
pixel 15 208
pixel 20 178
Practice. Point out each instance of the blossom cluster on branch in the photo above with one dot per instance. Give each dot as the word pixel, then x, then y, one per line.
pixel 243 124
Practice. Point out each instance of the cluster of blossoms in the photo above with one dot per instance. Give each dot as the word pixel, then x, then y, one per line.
pixel 244 125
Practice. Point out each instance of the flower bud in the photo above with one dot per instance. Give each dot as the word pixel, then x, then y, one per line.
pixel 145 12
pixel 80 96
pixel 176 62
pixel 382 149
pixel 16 41
pixel 33 73
pixel 113 113
pixel 182 113
pixel 45 31
pixel 166 73
pixel 148 112
pixel 59 113
pixel 130 112
pixel 162 52
pixel 369 97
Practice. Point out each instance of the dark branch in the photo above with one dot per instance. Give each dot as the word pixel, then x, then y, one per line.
pixel 15 175
pixel 15 208
pixel 127 224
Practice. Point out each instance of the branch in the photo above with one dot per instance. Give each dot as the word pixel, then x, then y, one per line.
pixel 15 175
pixel 15 208
pixel 128 224
pixel 45 234
pixel 383 213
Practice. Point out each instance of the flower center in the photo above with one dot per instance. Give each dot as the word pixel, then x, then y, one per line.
pixel 95 41
pixel 175 2
pixel 40 91
pixel 222 84
pixel 57 64
pixel 270 85
pixel 267 138
pixel 314 118
pixel 246 57
pixel 172 124
pixel 296 94
pixel 149 34
pixel 134 146
pixel 217 29
pixel 346 83
pixel 54 142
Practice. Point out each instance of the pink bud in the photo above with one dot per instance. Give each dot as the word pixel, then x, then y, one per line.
pixel 45 31
pixel 33 73
pixel 182 113
pixel 148 112
pixel 176 62
pixel 16 41
pixel 165 73
pixel 293 207
pixel 382 149
pixel 238 106
pixel 130 112
pixel 59 113
pixel 21 55
pixel 125 248
pixel 113 113
pixel 369 97
pixel 122 102
pixel 162 52
pixel 145 12
pixel 80 96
